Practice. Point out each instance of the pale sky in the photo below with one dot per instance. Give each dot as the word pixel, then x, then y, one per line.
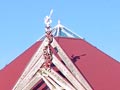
pixel 22 23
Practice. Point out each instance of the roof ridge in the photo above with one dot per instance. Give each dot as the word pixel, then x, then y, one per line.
pixel 61 31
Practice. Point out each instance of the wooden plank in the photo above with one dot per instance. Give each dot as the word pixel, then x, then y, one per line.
pixel 30 74
pixel 67 74
pixel 57 78
pixel 32 82
pixel 71 66
pixel 57 87
pixel 51 86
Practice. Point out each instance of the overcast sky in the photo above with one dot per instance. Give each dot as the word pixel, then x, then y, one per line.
pixel 22 23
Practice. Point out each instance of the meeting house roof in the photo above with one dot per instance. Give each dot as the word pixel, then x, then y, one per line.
pixel 75 65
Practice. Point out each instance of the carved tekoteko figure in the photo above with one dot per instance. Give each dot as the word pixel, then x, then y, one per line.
pixel 47 50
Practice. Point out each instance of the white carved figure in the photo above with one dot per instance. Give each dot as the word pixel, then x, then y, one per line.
pixel 48 21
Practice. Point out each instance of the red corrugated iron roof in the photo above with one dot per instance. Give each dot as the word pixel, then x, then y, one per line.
pixel 100 70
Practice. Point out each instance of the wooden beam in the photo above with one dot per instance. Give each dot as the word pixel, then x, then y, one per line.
pixel 67 74
pixel 31 64
pixel 71 66
pixel 32 82
pixel 51 86
pixel 54 83
pixel 30 74
pixel 58 79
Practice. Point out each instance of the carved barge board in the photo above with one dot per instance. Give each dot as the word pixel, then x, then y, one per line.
pixel 32 62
